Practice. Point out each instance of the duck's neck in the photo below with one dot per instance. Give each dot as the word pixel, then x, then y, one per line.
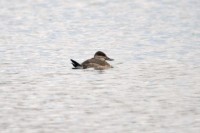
pixel 99 58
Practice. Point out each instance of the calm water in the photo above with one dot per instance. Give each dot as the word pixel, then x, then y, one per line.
pixel 154 86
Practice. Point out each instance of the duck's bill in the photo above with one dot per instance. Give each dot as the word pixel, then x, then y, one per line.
pixel 109 59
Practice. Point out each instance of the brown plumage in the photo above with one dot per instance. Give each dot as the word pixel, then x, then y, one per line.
pixel 97 62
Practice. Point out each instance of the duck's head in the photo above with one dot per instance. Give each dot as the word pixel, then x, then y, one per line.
pixel 102 56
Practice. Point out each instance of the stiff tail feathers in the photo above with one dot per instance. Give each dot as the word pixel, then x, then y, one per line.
pixel 76 64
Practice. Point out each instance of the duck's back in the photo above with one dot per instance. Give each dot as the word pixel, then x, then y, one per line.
pixel 95 63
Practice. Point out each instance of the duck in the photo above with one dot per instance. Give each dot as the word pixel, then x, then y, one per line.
pixel 98 62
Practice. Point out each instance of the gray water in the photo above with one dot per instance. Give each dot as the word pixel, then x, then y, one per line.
pixel 154 86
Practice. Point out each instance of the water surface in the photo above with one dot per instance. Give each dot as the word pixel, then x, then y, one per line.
pixel 153 87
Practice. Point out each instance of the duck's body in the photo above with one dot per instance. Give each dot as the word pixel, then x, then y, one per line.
pixel 98 62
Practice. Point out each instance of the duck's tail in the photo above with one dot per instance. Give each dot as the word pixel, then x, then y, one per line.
pixel 76 64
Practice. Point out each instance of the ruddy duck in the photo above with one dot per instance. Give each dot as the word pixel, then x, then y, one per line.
pixel 98 62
